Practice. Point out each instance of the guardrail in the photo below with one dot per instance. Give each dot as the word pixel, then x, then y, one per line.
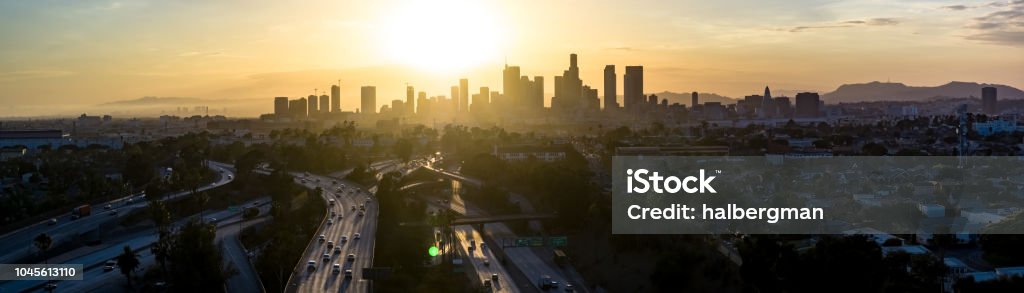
pixel 289 287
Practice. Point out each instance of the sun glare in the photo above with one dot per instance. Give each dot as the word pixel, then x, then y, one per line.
pixel 442 35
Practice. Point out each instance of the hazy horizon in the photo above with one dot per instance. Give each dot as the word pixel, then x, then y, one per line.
pixel 60 57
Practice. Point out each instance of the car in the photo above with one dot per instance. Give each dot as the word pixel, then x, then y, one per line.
pixel 361 213
pixel 327 257
pixel 311 265
pixel 569 288
pixel 355 236
pixel 211 219
pixel 353 208
pixel 107 207
pixel 554 284
pixel 487 284
pixel 336 268
pixel 494 277
pixel 348 274
pixel 337 249
pixel 351 257
pixel 341 217
pixel 322 238
pixel 109 265
pixel 333 213
pixel 544 282
pixel 330 244
pixel 330 201
pixel 52 222
pixel 330 221
pixel 344 239
pixel 487 262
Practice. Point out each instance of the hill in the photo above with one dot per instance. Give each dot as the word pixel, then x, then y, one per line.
pixel 888 91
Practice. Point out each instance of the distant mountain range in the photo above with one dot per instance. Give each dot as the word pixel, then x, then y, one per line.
pixel 685 98
pixel 155 101
pixel 888 91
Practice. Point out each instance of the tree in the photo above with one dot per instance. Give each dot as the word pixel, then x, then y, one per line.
pixel 160 216
pixel 128 262
pixel 196 263
pixel 403 149
pixel 43 242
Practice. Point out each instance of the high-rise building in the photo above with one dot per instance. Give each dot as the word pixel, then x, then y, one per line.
pixel 410 103
pixel 568 88
pixel 463 95
pixel 784 107
pixel 693 100
pixel 336 98
pixel 298 108
pixel 609 88
pixel 481 101
pixel 456 98
pixel 325 104
pixel 989 101
pixel 633 87
pixel 767 105
pixel 537 100
pixel 512 87
pixel 312 109
pixel 281 107
pixel 807 105
pixel 368 99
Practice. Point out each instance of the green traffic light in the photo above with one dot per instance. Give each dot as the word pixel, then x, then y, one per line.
pixel 432 251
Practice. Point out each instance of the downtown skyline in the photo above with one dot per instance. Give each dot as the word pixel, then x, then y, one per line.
pixel 65 55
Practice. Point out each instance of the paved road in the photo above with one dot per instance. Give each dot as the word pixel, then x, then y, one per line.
pixel 322 277
pixel 18 244
pixel 95 277
pixel 483 260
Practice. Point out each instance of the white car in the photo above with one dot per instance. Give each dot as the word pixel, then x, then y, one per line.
pixel 322 238
pixel 351 257
pixel 348 274
pixel 355 236
pixel 336 268
pixel 311 265
pixel 344 239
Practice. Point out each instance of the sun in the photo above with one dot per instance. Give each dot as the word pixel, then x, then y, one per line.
pixel 442 35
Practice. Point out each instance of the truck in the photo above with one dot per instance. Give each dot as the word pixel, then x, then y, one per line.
pixel 81 211
pixel 560 258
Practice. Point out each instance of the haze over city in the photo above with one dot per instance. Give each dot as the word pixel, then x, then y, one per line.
pixel 63 57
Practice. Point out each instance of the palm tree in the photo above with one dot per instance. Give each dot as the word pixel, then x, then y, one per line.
pixel 43 243
pixel 128 262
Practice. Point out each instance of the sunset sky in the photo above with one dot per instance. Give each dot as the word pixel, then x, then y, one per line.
pixel 68 53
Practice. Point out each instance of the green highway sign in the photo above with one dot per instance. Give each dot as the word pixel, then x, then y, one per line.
pixel 522 242
pixel 536 241
pixel 558 241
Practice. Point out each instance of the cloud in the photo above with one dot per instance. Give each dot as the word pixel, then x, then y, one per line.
pixel 1004 27
pixel 956 7
pixel 881 21
pixel 32 74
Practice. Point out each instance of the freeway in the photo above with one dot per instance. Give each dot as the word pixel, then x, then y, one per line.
pixel 18 244
pixel 485 264
pixel 96 277
pixel 341 230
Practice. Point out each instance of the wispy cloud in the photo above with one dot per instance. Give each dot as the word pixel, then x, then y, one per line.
pixel 32 74
pixel 1005 26
pixel 881 21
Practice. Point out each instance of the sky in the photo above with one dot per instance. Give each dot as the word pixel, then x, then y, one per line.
pixel 64 55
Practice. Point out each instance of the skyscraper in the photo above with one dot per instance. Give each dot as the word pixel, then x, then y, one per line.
pixel 568 89
pixel 537 100
pixel 464 95
pixel 410 103
pixel 767 105
pixel 312 109
pixel 807 105
pixel 325 104
pixel 989 101
pixel 368 99
pixel 281 107
pixel 693 100
pixel 297 108
pixel 512 87
pixel 609 88
pixel 633 87
pixel 336 98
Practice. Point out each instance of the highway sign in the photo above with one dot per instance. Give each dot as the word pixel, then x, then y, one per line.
pixel 522 242
pixel 536 241
pixel 558 241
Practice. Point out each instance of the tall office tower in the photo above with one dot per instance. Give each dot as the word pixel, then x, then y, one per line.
pixel 410 103
pixel 693 100
pixel 652 100
pixel 325 104
pixel 807 105
pixel 767 105
pixel 312 109
pixel 397 106
pixel 785 108
pixel 537 99
pixel 336 98
pixel 633 87
pixel 463 95
pixel 480 101
pixel 297 108
pixel 281 107
pixel 422 105
pixel 609 88
pixel 590 100
pixel 989 102
pixel 512 87
pixel 368 99
pixel 456 98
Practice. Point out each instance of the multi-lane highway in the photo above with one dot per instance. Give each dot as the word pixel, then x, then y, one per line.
pixel 17 245
pixel 95 277
pixel 350 227
pixel 484 262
